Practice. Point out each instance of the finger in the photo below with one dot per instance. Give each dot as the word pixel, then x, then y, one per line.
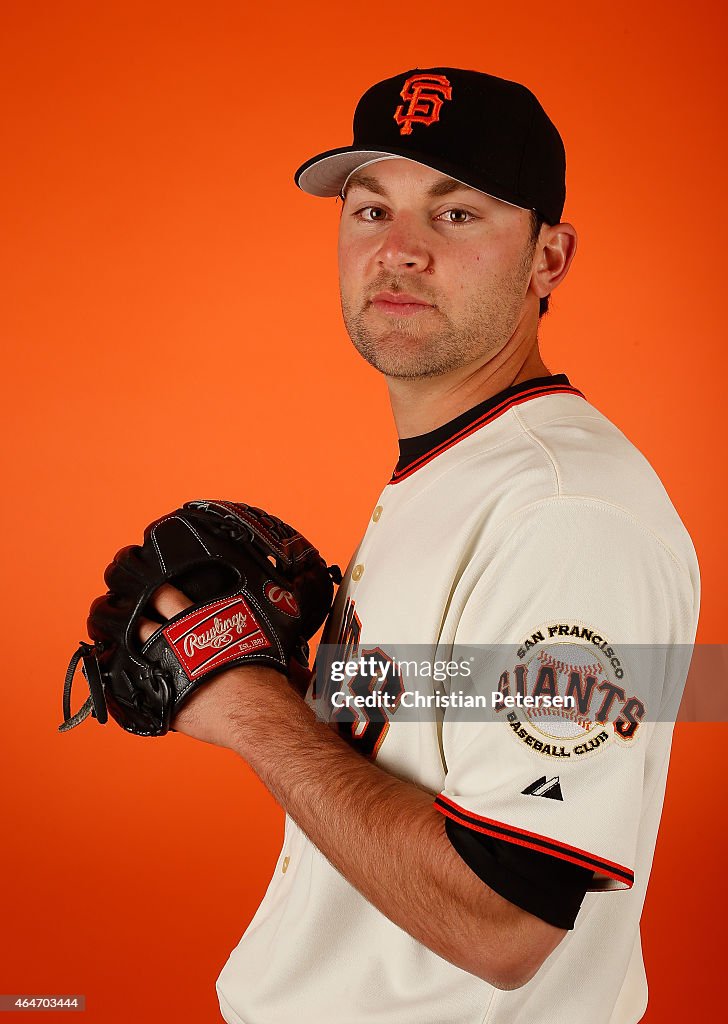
pixel 147 628
pixel 169 601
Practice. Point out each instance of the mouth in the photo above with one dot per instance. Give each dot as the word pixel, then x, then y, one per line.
pixel 399 304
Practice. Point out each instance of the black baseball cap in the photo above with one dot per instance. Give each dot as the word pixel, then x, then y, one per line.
pixel 484 131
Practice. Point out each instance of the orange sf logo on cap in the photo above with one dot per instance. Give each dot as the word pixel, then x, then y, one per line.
pixel 425 95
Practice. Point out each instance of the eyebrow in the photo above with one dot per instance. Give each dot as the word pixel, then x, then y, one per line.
pixel 442 187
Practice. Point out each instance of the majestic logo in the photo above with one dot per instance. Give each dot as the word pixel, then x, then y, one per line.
pixel 423 97
pixel 549 788
pixel 284 600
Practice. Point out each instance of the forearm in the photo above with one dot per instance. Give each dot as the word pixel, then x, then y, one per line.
pixel 381 833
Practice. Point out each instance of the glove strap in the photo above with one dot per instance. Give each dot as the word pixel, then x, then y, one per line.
pixel 95 704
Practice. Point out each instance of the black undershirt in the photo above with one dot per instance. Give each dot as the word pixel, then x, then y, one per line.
pixel 412 448
pixel 545 886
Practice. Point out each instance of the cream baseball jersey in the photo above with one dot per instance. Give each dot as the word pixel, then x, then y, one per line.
pixel 529 523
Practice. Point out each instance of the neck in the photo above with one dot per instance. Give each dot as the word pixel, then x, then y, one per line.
pixel 423 404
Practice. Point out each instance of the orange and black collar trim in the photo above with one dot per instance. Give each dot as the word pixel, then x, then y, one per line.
pixel 415 452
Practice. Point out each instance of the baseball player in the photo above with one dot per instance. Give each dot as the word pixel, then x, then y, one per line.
pixel 446 870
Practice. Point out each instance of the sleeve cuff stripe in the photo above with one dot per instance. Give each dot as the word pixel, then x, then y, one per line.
pixel 534 841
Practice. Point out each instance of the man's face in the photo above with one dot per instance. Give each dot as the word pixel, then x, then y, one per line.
pixel 433 274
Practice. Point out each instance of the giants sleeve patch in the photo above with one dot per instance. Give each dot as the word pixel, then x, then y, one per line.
pixel 576 664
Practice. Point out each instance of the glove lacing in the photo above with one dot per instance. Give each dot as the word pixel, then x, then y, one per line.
pixel 95 704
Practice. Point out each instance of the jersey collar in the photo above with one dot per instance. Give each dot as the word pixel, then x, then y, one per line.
pixel 415 452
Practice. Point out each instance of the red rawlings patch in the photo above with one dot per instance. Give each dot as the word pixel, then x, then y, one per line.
pixel 284 600
pixel 211 636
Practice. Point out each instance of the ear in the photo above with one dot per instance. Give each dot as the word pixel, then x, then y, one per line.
pixel 555 250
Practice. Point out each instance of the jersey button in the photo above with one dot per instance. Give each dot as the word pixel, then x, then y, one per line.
pixel 357 572
pixel 377 513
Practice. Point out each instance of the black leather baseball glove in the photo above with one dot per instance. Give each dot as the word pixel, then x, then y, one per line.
pixel 261 591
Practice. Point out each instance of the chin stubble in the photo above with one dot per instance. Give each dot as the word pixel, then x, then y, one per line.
pixel 415 348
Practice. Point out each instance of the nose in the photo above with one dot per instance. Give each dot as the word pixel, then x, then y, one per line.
pixel 403 247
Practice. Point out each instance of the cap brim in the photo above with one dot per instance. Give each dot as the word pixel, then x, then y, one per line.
pixel 325 174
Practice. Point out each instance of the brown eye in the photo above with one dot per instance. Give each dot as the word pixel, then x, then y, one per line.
pixel 371 213
pixel 456 216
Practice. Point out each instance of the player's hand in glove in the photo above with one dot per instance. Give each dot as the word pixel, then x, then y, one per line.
pixel 259 589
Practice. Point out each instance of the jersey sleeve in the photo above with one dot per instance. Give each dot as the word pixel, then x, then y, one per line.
pixel 577 600
pixel 548 887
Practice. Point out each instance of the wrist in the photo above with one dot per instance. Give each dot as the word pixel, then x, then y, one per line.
pixel 224 710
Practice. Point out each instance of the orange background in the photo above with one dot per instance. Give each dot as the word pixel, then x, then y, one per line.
pixel 171 330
